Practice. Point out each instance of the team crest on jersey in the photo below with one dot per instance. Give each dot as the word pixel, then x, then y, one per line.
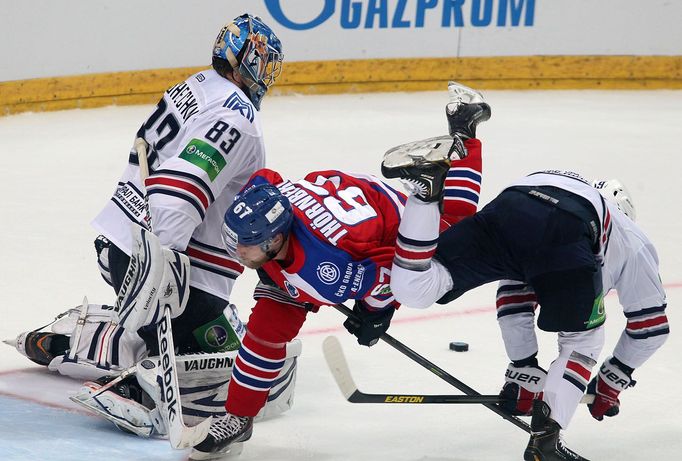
pixel 292 290
pixel 235 102
pixel 328 273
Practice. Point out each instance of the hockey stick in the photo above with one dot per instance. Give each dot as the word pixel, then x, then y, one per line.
pixel 336 361
pixel 179 435
pixel 444 375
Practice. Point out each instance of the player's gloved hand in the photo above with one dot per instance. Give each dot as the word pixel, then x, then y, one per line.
pixel 613 378
pixel 368 325
pixel 524 382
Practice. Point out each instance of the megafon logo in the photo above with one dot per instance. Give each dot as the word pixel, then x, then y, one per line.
pixel 400 14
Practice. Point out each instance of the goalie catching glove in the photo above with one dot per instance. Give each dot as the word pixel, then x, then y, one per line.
pixel 613 378
pixel 524 382
pixel 368 325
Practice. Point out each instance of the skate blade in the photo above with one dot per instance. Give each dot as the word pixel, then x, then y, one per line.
pixel 230 452
pixel 425 150
pixel 10 342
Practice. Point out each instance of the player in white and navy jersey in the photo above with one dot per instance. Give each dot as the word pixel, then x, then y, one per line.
pixel 566 246
pixel 204 140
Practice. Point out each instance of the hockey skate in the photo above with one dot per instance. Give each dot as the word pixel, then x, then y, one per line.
pixel 224 439
pixel 40 347
pixel 545 441
pixel 422 165
pixel 465 111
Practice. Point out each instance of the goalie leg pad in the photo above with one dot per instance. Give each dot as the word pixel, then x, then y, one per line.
pixel 156 278
pixel 203 380
pixel 139 290
pixel 122 410
pixel 98 346
pixel 84 344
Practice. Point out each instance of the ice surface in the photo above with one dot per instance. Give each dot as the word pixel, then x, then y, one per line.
pixel 59 168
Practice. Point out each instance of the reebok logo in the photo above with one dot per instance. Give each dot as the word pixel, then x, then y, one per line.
pixel 167 376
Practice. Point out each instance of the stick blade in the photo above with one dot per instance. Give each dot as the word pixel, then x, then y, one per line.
pixel 336 361
pixel 181 436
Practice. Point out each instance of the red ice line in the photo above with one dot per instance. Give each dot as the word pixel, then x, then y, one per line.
pixel 310 332
pixel 25 398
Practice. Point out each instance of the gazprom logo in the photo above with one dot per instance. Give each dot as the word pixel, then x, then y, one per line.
pixel 401 14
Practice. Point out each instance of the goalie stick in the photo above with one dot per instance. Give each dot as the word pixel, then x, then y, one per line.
pixel 336 361
pixel 179 435
pixel 444 375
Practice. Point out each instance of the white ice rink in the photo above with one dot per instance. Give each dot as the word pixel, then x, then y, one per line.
pixel 59 168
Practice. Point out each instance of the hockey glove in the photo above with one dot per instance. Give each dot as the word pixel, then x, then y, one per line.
pixel 524 382
pixel 613 378
pixel 368 325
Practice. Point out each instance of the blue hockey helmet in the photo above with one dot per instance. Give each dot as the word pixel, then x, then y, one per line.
pixel 257 215
pixel 253 49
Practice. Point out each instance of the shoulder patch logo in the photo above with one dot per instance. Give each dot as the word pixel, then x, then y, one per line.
pixel 292 290
pixel 235 102
pixel 204 156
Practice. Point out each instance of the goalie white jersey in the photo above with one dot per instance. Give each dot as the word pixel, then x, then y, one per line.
pixel 205 140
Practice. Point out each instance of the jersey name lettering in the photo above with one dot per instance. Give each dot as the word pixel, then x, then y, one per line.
pixel 184 100
pixel 320 217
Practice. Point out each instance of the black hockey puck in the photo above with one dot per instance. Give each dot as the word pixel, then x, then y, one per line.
pixel 459 346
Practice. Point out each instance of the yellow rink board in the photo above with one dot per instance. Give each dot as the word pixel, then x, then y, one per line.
pixel 360 76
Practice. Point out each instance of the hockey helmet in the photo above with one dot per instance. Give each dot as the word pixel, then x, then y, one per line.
pixel 253 49
pixel 257 215
pixel 615 192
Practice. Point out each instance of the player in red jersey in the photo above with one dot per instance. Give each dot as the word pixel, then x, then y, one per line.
pixel 321 240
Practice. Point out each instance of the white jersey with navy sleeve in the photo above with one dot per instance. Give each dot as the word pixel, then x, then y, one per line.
pixel 631 268
pixel 205 140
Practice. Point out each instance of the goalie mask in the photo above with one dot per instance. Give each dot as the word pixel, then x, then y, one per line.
pixel 253 49
pixel 615 192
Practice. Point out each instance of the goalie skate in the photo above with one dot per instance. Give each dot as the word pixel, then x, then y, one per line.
pixel 40 347
pixel 422 165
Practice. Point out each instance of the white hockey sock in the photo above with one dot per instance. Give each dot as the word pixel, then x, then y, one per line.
pixel 569 374
pixel 417 235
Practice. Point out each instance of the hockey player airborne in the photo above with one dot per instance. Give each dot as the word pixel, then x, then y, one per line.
pixel 557 244
pixel 321 240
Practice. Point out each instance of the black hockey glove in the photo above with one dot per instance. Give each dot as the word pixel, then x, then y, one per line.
pixel 368 325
